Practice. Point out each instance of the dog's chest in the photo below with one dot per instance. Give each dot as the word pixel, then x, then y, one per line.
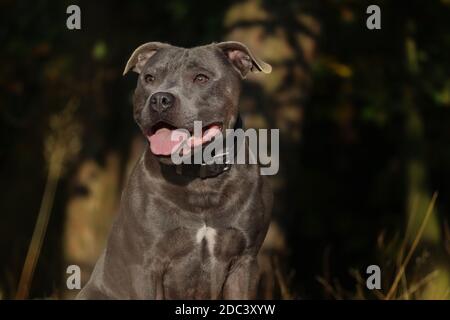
pixel 202 243
pixel 206 236
pixel 204 199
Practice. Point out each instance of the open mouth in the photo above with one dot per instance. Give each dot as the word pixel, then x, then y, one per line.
pixel 166 139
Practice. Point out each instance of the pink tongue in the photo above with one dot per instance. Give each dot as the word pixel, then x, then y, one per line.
pixel 165 141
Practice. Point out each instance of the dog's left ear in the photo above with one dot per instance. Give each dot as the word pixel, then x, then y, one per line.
pixel 242 58
pixel 141 55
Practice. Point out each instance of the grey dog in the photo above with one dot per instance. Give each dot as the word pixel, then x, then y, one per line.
pixel 189 231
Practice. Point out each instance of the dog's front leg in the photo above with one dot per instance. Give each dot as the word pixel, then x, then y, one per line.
pixel 242 281
pixel 156 278
pixel 156 286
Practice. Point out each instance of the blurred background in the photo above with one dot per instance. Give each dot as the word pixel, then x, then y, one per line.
pixel 364 118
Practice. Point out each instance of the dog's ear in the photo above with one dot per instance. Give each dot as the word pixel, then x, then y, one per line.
pixel 242 58
pixel 141 55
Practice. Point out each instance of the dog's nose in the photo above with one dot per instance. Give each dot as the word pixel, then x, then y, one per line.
pixel 161 101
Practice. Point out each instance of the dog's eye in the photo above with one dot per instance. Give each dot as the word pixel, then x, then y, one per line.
pixel 201 78
pixel 148 78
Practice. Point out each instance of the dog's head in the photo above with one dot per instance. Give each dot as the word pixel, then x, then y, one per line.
pixel 177 86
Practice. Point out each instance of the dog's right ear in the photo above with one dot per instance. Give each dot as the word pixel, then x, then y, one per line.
pixel 141 55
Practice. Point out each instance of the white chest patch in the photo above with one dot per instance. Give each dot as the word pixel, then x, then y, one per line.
pixel 209 234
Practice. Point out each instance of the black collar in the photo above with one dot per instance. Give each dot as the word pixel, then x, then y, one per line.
pixel 213 169
pixel 204 170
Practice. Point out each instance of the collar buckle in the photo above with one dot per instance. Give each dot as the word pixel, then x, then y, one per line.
pixel 213 168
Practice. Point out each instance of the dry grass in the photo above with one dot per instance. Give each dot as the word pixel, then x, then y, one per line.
pixel 62 143
pixel 400 288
